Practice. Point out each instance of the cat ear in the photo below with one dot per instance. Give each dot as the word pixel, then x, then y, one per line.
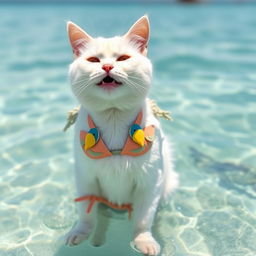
pixel 78 38
pixel 139 34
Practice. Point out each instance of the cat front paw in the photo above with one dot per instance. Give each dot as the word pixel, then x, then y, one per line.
pixel 146 244
pixel 78 234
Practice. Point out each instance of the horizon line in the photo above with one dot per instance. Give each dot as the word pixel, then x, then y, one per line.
pixel 126 2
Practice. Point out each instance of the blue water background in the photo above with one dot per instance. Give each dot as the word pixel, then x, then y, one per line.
pixel 204 59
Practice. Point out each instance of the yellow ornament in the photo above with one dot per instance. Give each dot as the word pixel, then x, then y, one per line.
pixel 89 141
pixel 139 137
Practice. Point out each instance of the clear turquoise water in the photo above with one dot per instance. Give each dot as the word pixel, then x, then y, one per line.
pixel 205 73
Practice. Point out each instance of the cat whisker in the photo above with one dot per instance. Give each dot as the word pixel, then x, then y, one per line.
pixel 79 81
pixel 82 88
pixel 84 83
pixel 80 92
pixel 134 77
pixel 141 90
pixel 122 75
pixel 96 76
pixel 138 85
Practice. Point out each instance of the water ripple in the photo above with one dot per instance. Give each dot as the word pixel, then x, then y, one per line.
pixel 204 73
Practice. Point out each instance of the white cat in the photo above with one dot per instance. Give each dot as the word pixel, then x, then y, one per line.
pixel 111 78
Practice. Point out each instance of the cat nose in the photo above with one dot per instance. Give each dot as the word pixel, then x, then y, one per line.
pixel 107 67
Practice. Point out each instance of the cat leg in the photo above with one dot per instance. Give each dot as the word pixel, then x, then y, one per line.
pixel 99 236
pixel 171 178
pixel 145 207
pixel 86 222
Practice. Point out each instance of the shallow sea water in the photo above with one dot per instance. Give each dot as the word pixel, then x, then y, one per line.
pixel 204 72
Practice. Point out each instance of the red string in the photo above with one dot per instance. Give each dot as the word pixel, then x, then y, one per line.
pixel 103 200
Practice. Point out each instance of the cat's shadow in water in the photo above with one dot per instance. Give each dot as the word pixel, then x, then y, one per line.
pixel 117 243
pixel 85 248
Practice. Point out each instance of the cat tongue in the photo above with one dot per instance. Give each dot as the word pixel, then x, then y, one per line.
pixel 109 83
pixel 109 86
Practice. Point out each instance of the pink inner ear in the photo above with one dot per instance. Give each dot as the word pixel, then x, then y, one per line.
pixel 78 38
pixel 140 42
pixel 139 34
pixel 77 46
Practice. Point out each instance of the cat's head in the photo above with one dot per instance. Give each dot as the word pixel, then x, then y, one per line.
pixel 110 72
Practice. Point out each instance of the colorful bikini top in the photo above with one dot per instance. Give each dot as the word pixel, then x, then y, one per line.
pixel 138 142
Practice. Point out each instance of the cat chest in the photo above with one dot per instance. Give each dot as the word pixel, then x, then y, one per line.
pixel 117 187
pixel 119 177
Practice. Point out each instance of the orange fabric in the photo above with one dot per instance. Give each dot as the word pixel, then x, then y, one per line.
pixel 149 132
pixel 92 199
pixel 90 122
pixel 99 150
pixel 139 118
pixel 131 148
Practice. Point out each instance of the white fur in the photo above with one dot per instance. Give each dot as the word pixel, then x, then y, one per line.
pixel 141 180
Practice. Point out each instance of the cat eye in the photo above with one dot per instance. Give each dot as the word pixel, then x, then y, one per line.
pixel 123 57
pixel 93 59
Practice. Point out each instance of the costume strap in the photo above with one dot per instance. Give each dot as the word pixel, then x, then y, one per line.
pixel 90 122
pixel 92 199
pixel 139 118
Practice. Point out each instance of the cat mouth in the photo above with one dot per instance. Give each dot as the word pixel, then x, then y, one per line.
pixel 109 82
